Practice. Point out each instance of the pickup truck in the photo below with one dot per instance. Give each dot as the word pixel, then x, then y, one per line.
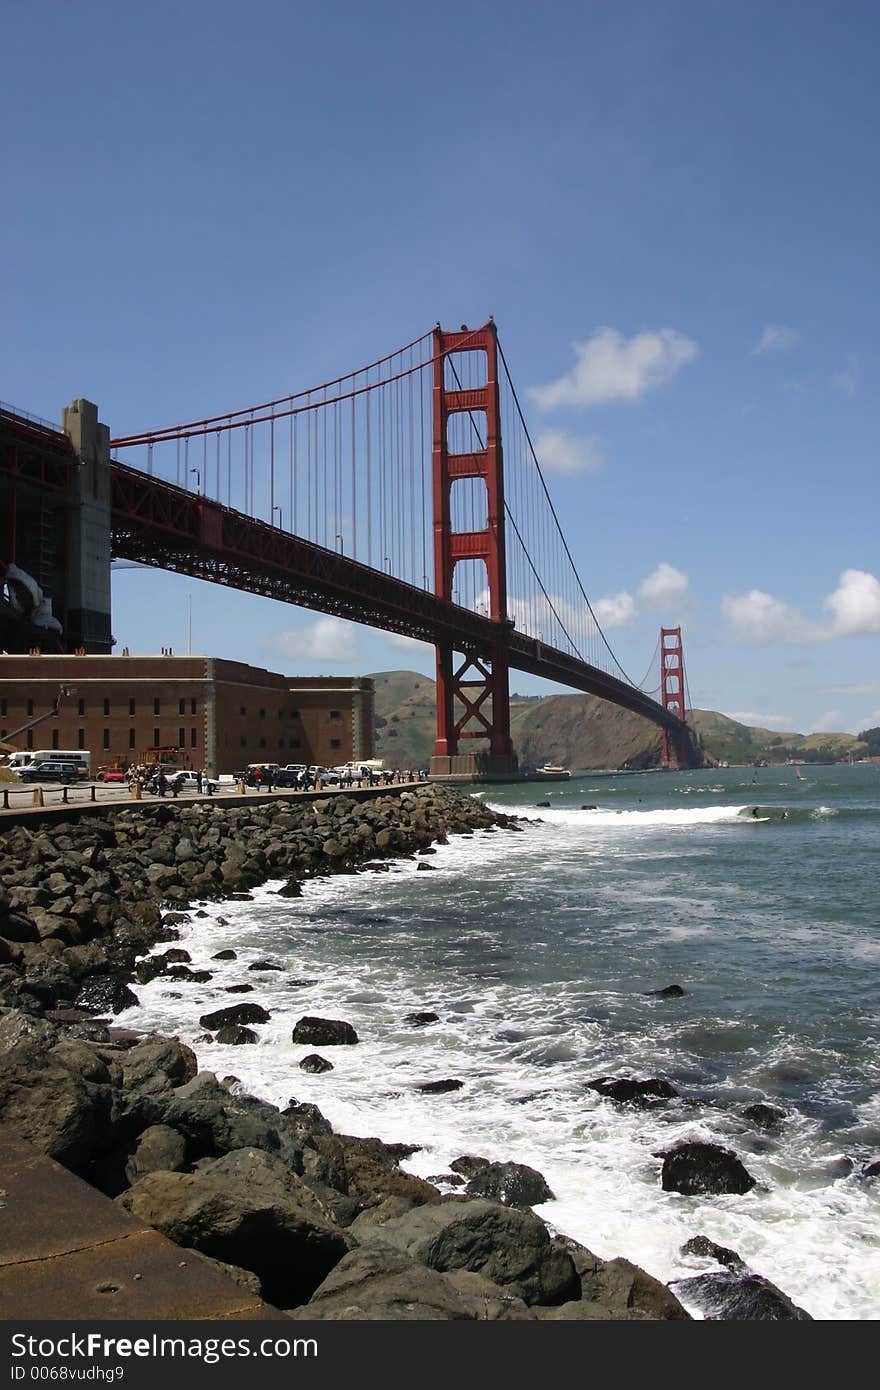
pixel 49 772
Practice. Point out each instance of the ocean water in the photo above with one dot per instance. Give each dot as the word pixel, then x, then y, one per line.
pixel 538 950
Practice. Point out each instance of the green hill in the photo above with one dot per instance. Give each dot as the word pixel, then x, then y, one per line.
pixel 581 731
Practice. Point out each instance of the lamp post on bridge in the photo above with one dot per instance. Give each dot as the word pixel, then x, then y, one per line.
pixel 198 481
pixel 277 509
pixel 340 543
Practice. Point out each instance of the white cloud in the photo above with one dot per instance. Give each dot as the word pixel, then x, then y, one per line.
pixel 326 639
pixel 828 723
pixel 610 367
pixel 855 604
pixel 567 453
pixel 663 586
pixel 847 381
pixel 760 619
pixel 617 610
pixel 776 338
pixel 763 721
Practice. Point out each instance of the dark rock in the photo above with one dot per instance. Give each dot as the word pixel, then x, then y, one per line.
pixel 707 1249
pixel 238 989
pixel 225 955
pixel 421 1020
pixel 291 889
pixel 693 1168
pixel 627 1091
pixel 511 1184
pixel 265 965
pixel 764 1115
pixel 669 992
pixel 378 1284
pixel 235 1034
pixel 469 1164
pixel 613 1291
pixel 156 1066
pixel 324 1032
pixel 730 1297
pixel 589 806
pixel 449 1179
pixel 871 1170
pixel 436 1088
pixel 511 1248
pixel 542 805
pixel 105 994
pixel 183 972
pixel 214 1122
pixel 159 1149
pixel 422 865
pixel 248 1210
pixel 315 1063
pixel 236 1013
pixel 304 1110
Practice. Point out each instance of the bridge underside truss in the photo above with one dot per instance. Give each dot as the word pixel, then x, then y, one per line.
pixel 161 525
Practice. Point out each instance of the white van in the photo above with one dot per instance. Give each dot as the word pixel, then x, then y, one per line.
pixel 17 761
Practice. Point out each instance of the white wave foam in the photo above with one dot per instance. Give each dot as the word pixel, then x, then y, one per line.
pixel 644 820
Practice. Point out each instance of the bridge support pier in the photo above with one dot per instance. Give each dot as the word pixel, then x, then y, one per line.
pixel 89 532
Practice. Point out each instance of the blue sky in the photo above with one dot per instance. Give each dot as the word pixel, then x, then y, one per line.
pixel 670 208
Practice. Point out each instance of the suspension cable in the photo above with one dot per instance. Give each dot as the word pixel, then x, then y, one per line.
pixel 627 678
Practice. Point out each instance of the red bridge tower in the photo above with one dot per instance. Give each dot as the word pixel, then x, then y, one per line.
pixel 672 691
pixel 473 696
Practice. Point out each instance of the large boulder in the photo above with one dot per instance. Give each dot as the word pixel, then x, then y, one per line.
pixel 236 1013
pixel 614 1291
pixel 215 1122
pixel 696 1168
pixel 324 1032
pixel 626 1090
pixel 246 1209
pixel 380 1284
pixel 730 1296
pixel 105 994
pixel 157 1065
pixel 512 1184
pixel 55 1092
pixel 159 1149
pixel 511 1248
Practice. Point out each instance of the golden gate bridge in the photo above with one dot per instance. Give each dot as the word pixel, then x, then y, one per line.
pixel 406 495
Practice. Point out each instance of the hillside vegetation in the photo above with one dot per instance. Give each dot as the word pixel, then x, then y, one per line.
pixel 581 731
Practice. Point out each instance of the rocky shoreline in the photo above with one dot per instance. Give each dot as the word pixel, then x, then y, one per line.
pixel 324 1225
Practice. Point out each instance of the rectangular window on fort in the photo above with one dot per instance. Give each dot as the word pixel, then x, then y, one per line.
pixel 131 708
pixel 193 738
pixel 243 741
pixel 82 708
pixel 30 706
pixel 30 738
pixel 106 708
pixel 243 709
pixel 3 708
pixel 192 706
pixel 336 743
pixel 106 738
pixel 155 738
pixel 262 743
pixel 262 714
pixel 335 714
pixel 80 738
pixel 54 738
pixel 181 738
pixel 181 707
pixel 131 738
pixel 294 714
pixel 156 705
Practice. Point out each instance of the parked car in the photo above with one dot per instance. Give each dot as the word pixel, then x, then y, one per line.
pixel 189 781
pixel 49 772
pixel 111 774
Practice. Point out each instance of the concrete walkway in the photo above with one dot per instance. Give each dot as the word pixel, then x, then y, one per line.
pixel 68 1252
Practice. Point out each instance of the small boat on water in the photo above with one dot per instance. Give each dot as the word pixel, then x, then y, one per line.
pixel 551 770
